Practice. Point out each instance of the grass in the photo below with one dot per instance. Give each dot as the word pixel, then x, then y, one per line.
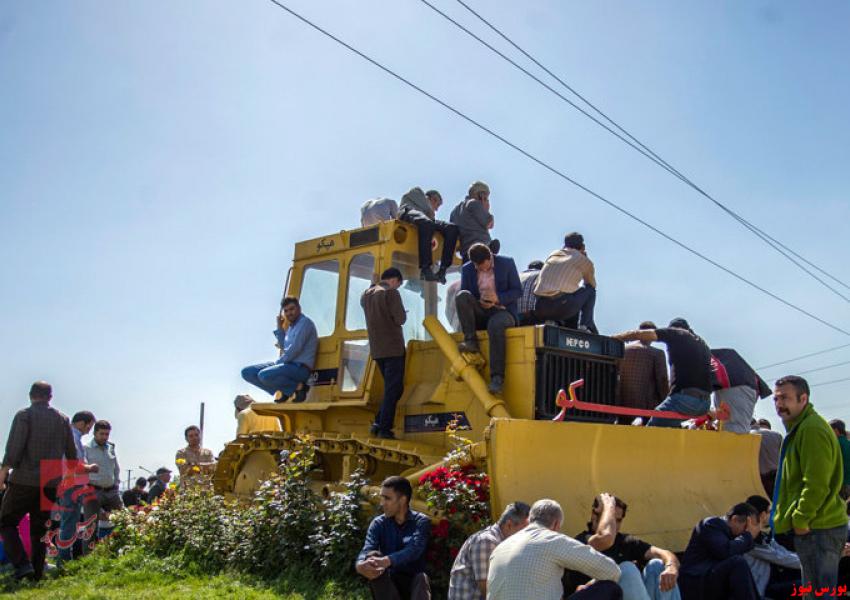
pixel 137 576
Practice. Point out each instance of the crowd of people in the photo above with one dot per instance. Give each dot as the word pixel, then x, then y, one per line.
pixel 757 549
pixel 68 488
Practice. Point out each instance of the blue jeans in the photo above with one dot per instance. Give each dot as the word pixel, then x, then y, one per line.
pixel 819 552
pixel 637 586
pixel 681 403
pixel 273 377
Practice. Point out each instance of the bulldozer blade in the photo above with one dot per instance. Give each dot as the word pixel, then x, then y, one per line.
pixel 670 478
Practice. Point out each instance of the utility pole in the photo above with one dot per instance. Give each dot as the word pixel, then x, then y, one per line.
pixel 129 478
pixel 202 424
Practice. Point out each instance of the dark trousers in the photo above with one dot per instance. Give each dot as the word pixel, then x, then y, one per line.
pixel 473 316
pixel 564 307
pixel 730 578
pixel 17 502
pixel 601 590
pixel 768 481
pixel 392 370
pixel 820 552
pixel 398 586
pixel 426 228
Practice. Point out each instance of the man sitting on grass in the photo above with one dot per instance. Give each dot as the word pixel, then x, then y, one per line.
pixel 393 557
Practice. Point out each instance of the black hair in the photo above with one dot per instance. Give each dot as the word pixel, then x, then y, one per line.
pixel 141 481
pixel 41 390
pixel 478 253
pixel 742 510
pixel 392 273
pixel 535 265
pixel 102 425
pixel 760 503
pixel 574 240
pixel 839 426
pixel 647 325
pixel 289 300
pixel 85 416
pixel 399 485
pixel 190 428
pixel 801 386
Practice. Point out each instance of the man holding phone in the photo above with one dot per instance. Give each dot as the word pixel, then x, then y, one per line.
pixel 490 288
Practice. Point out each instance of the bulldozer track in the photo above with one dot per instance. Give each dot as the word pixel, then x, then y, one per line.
pixel 368 451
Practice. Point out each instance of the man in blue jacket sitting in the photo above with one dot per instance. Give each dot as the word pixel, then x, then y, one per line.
pixel 490 288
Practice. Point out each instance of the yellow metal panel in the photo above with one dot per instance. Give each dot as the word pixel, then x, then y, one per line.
pixel 670 478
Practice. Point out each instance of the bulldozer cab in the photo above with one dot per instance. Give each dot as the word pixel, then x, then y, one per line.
pixel 670 478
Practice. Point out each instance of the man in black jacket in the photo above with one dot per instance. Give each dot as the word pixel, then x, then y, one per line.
pixel 714 566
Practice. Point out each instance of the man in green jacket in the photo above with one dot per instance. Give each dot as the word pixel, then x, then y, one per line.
pixel 810 477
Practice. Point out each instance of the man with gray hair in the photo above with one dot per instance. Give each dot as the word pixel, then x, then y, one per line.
pixel 531 563
pixel 469 571
pixel 474 220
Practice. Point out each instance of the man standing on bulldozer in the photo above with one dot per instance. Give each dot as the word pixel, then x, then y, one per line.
pixel 385 315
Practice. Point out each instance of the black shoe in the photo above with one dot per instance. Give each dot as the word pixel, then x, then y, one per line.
pixel 441 275
pixel 495 246
pixel 427 274
pixel 25 571
pixel 469 347
pixel 373 429
pixel 301 393
pixel 279 397
pixel 497 382
pixel 386 435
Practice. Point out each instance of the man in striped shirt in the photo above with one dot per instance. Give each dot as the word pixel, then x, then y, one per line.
pixel 559 296
pixel 469 572
pixel 531 563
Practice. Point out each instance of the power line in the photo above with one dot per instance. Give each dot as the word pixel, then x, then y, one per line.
pixel 634 143
pixel 795 359
pixel 555 171
pixel 829 382
pixel 841 364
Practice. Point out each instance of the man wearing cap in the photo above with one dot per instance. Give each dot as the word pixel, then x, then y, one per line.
pixel 690 369
pixel 420 209
pixel 474 220
pixel 247 421
pixel 163 476
pixel 559 296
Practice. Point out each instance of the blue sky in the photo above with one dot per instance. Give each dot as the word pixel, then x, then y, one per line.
pixel 159 160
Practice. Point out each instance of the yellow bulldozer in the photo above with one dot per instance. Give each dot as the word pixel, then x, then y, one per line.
pixel 670 478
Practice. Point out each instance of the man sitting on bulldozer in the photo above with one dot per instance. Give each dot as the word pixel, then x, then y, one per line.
pixel 288 375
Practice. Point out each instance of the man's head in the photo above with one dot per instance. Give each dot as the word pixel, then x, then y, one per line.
pixel 41 391
pixel 514 518
pixel 393 278
pixel 291 308
pixel 434 199
pixel 83 421
pixel 596 513
pixel 141 483
pixel 764 424
pixel 535 265
pixel 647 325
pixel 790 397
pixel 241 402
pixel 396 492
pixel 680 323
pixel 575 241
pixel 102 429
pixel 481 257
pixel 838 427
pixel 546 513
pixel 738 516
pixel 193 435
pixel 163 474
pixel 762 506
pixel 479 191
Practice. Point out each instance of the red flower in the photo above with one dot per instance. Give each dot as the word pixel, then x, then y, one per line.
pixel 442 529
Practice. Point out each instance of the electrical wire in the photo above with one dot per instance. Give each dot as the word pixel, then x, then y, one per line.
pixel 809 355
pixel 634 143
pixel 832 366
pixel 555 171
pixel 829 382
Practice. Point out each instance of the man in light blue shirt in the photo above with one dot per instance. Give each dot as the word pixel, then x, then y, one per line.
pixel 103 481
pixel 288 375
pixel 73 495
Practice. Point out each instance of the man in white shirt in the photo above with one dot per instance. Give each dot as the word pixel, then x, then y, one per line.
pixel 531 563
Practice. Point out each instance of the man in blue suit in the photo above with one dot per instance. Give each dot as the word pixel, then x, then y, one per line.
pixel 490 288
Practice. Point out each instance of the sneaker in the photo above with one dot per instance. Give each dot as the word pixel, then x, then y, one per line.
pixel 497 382
pixel 25 571
pixel 469 347
pixel 427 274
pixel 386 435
pixel 301 393
pixel 584 328
pixel 441 275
